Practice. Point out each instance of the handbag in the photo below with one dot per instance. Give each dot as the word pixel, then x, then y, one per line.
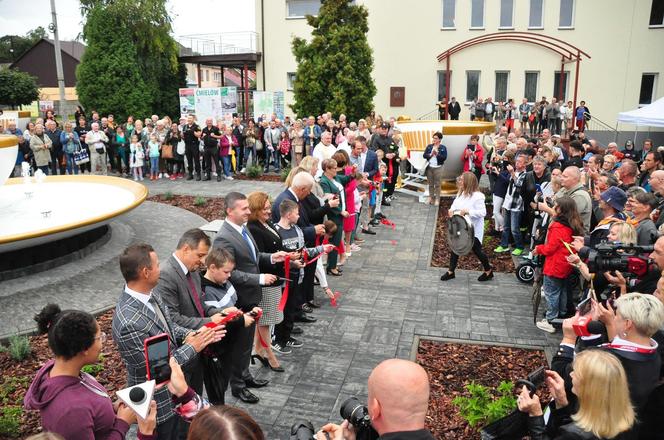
pixel 81 156
pixel 513 426
pixel 259 145
pixel 167 151
pixel 181 148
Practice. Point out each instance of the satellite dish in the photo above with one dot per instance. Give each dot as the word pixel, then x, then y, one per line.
pixel 138 397
pixel 460 234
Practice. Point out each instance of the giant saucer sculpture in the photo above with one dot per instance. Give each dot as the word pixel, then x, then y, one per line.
pixel 456 135
pixel 38 215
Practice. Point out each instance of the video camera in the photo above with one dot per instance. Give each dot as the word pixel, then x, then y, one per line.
pixel 624 258
pixel 352 410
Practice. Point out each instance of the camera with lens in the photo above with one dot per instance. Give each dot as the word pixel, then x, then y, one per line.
pixel 627 259
pixel 352 410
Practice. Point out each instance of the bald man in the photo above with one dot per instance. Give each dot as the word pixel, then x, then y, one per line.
pixel 398 401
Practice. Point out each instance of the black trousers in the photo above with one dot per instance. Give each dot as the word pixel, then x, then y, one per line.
pixel 193 158
pixel 240 355
pixel 193 373
pixel 308 282
pixel 391 183
pixel 477 250
pixel 210 156
pixel 282 331
pixel 173 429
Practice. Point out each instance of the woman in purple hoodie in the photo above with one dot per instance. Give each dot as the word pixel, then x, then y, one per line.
pixel 72 403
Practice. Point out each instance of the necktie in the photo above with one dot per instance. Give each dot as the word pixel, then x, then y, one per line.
pixel 194 294
pixel 250 245
pixel 160 315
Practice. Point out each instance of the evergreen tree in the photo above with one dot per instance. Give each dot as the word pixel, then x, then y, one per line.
pixel 109 79
pixel 334 69
pixel 17 88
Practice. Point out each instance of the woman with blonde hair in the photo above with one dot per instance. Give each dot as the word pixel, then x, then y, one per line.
pixel 470 203
pixel 604 411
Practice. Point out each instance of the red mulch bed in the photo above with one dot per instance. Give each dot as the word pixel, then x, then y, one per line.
pixel 261 178
pixel 113 376
pixel 441 251
pixel 452 366
pixel 212 209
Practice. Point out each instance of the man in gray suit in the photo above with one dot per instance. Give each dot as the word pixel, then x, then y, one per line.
pixel 180 288
pixel 247 280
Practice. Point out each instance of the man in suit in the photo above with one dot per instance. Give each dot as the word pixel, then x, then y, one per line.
pixel 247 280
pixel 140 314
pixel 180 288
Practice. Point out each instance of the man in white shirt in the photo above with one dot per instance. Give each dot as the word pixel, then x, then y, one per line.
pixel 324 150
pixel 346 145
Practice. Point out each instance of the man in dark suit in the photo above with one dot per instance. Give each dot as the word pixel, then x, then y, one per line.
pixel 180 288
pixel 140 314
pixel 454 109
pixel 247 280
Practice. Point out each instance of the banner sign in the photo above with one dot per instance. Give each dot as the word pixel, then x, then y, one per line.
pixel 187 102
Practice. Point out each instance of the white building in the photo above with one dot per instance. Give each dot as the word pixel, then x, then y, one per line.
pixel 624 41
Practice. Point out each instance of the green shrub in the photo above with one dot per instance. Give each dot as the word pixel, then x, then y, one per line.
pixel 487 237
pixel 168 195
pixel 200 201
pixel 19 347
pixel 484 406
pixel 284 173
pixel 10 421
pixel 9 386
pixel 254 171
pixel 96 368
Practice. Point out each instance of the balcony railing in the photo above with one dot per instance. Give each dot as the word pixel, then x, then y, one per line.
pixel 226 43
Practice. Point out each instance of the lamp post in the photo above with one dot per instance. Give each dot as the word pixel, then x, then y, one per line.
pixel 53 27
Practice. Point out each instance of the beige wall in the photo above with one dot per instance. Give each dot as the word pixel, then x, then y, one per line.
pixel 406 37
pixel 208 78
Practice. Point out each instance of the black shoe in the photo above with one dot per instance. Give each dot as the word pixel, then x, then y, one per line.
pixel 305 318
pixel 379 216
pixel 316 282
pixel 256 383
pixel 486 276
pixel 315 304
pixel 447 276
pixel 259 358
pixel 386 203
pixel 368 231
pixel 295 343
pixel 374 222
pixel 246 396
pixel 190 177
pixel 207 177
pixel 297 331
pixel 334 274
pixel 218 177
pixel 307 308
pixel 198 177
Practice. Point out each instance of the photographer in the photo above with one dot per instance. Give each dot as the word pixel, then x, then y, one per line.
pixel 604 409
pixel 473 156
pixel 397 404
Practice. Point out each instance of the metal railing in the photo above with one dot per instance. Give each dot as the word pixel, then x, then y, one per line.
pixel 226 43
pixel 596 124
pixel 430 115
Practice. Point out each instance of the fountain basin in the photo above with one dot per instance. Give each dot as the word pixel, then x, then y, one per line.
pixel 62 206
pixel 8 153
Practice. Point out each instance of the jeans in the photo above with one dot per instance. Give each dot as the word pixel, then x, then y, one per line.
pixel 71 165
pixel 227 165
pixel 498 218
pixel 249 151
pixel 154 165
pixel 555 291
pixel 45 169
pixel 275 156
pixel 512 224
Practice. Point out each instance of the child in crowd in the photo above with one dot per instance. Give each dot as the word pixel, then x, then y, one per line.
pixel 292 240
pixel 154 148
pixel 564 224
pixel 285 147
pixel 136 158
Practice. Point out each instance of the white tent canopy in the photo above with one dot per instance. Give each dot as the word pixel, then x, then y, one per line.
pixel 650 116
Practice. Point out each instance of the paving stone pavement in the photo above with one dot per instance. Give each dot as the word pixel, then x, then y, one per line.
pixel 390 296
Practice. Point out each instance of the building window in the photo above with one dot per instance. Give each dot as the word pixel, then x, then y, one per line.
pixel 442 84
pixel 477 14
pixel 449 14
pixel 302 8
pixel 648 87
pixel 207 75
pixel 657 13
pixel 290 81
pixel 566 14
pixel 472 84
pixel 556 85
pixel 536 20
pixel 506 14
pixel 502 79
pixel 530 92
pixel 217 76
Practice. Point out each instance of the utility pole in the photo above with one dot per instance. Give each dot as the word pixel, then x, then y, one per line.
pixel 58 63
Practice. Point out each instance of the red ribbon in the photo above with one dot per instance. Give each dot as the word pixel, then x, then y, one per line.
pixel 386 222
pixel 284 295
pixel 335 297
pixel 260 337
pixel 631 348
pixel 390 170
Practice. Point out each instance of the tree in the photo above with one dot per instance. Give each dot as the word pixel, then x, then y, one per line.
pixel 17 88
pixel 148 26
pixel 334 69
pixel 108 78
pixel 13 46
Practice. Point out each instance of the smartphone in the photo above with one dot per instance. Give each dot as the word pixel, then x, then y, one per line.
pixel 584 306
pixel 157 355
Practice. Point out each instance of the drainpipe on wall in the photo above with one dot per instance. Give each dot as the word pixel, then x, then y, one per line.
pixel 263 41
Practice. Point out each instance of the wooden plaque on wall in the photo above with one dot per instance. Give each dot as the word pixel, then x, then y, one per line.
pixel 397 96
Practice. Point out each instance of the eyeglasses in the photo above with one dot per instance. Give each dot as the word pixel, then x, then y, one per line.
pixel 102 337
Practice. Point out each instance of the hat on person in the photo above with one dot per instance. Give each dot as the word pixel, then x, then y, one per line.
pixel 587 157
pixel 615 197
pixel 385 125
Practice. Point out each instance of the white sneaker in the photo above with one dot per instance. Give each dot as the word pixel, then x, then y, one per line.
pixel 166 176
pixel 135 179
pixel 161 175
pixel 545 325
pixel 214 174
pixel 229 178
pixel 243 170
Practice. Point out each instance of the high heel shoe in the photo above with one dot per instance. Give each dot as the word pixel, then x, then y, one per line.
pixel 334 274
pixel 266 363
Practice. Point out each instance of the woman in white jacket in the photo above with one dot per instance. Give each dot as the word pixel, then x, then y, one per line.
pixel 470 202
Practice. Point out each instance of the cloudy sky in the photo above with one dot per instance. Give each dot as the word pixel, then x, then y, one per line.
pixel 189 16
